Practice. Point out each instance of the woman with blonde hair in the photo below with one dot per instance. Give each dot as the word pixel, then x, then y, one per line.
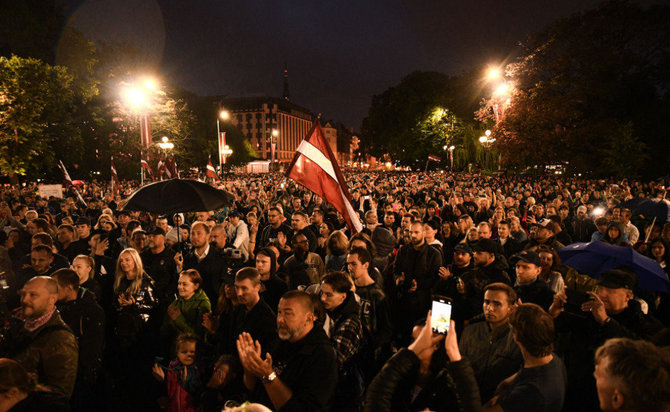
pixel 84 266
pixel 134 298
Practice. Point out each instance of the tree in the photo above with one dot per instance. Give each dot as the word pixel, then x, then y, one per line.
pixel 419 116
pixel 586 82
pixel 35 112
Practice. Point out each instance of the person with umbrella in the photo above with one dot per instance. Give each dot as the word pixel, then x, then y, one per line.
pixel 611 312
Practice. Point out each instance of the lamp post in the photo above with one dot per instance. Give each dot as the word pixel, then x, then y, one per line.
pixel 486 141
pixel 223 115
pixel 138 100
pixel 273 135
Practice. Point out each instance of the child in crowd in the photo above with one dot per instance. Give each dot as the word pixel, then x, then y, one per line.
pixel 182 375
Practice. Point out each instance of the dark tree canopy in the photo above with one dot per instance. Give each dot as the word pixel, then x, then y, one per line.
pixel 592 90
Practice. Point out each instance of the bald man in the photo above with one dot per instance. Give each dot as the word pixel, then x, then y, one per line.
pixel 43 344
pixel 306 371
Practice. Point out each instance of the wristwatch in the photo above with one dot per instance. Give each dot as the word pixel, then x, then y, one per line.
pixel 269 378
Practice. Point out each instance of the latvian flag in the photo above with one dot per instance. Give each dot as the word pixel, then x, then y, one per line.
pixel 210 171
pixel 434 158
pixel 161 169
pixel 145 166
pixel 145 131
pixel 222 147
pixel 66 176
pixel 115 178
pixel 315 167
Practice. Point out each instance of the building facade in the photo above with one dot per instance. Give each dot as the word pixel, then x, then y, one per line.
pixel 258 117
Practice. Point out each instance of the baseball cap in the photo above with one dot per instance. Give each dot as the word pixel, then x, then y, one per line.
pixel 485 245
pixel 463 248
pixel 527 256
pixel 156 231
pixel 82 221
pixel 546 223
pixel 234 213
pixel 617 279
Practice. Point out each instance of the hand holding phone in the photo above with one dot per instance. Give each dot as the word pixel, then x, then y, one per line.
pixel 441 314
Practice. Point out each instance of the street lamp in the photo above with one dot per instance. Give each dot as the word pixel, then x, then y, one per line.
pixel 273 135
pixel 493 73
pixel 165 144
pixel 138 99
pixel 223 115
pixel 451 156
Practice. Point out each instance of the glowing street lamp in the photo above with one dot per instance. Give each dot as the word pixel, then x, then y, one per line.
pixel 493 73
pixel 165 144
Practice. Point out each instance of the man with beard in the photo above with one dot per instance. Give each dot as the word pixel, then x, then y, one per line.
pixel 303 267
pixel 489 345
pixel 489 268
pixel 416 271
pixel 43 344
pixel 301 373
pixel 158 262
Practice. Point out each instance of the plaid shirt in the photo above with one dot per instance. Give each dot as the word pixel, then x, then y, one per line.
pixel 346 334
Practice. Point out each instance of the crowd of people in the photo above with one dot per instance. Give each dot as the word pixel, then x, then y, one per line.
pixel 273 303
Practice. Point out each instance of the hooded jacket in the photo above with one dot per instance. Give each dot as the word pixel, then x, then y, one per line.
pixel 190 320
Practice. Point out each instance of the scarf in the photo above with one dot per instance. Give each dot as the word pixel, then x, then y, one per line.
pixel 32 325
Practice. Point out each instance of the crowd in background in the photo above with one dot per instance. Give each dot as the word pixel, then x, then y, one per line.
pixel 273 300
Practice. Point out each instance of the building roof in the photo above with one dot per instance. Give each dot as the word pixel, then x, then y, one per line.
pixel 256 103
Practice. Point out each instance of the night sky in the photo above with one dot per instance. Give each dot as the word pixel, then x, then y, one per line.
pixel 339 53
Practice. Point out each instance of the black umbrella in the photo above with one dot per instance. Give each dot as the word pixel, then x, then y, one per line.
pixel 656 208
pixel 177 195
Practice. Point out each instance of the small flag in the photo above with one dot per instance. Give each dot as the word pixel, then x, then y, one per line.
pixel 161 169
pixel 145 131
pixel 116 186
pixel 66 175
pixel 315 167
pixel 434 158
pixel 210 171
pixel 68 182
pixel 145 166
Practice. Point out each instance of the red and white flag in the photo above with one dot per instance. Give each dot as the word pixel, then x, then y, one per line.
pixel 222 148
pixel 145 130
pixel 66 176
pixel 434 158
pixel 145 166
pixel 116 186
pixel 161 169
pixel 210 171
pixel 68 182
pixel 315 167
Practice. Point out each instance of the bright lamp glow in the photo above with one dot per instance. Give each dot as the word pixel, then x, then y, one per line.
pixel 493 73
pixel 503 88
pixel 150 84
pixel 224 114
pixel 275 132
pixel 483 139
pixel 487 133
pixel 134 98
pixel 452 147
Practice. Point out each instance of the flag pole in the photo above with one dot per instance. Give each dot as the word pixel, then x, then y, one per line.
pixel 427 160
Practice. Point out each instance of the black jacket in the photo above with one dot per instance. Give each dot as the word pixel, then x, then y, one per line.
pixel 475 281
pixel 42 401
pixel 308 368
pixel 212 269
pixel 537 292
pixel 451 389
pixel 87 321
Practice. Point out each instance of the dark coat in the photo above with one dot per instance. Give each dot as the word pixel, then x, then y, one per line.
pixel 452 389
pixel 212 268
pixel 537 292
pixel 493 354
pixel 308 368
pixel 50 352
pixel 87 321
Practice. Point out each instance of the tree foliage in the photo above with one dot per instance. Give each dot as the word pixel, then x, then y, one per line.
pixel 36 102
pixel 591 90
pixel 418 117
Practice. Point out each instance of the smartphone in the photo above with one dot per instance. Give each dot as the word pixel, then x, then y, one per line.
pixel 575 301
pixel 441 314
